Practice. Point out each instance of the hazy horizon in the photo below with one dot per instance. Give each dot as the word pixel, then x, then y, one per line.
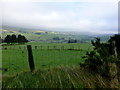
pixel 94 17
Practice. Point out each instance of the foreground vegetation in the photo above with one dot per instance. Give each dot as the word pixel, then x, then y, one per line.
pixel 99 70
pixel 59 77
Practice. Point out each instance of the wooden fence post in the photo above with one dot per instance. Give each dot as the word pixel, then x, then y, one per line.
pixel 48 47
pixel 72 47
pixel 35 47
pixel 54 47
pixel 62 47
pixel 114 69
pixel 115 49
pixel 30 58
pixel 114 83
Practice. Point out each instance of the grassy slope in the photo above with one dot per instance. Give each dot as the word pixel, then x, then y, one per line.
pixel 15 61
pixel 46 36
pixel 62 71
pixel 59 77
pixel 61 74
pixel 32 35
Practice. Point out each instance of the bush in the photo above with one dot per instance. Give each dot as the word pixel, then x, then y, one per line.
pixel 104 53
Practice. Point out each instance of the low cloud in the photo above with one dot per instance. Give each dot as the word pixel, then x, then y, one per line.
pixel 82 17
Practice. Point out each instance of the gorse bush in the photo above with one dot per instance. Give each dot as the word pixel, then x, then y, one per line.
pixel 116 38
pixel 104 53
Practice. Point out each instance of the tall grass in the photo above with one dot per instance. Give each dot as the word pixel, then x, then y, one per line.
pixel 59 77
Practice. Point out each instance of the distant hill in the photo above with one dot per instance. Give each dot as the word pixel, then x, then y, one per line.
pixel 51 36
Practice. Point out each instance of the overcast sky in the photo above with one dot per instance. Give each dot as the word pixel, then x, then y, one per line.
pixel 98 17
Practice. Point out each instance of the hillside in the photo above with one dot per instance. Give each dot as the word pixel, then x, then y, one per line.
pixel 51 36
pixel 59 77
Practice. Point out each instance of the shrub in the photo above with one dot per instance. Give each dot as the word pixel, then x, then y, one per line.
pixel 104 53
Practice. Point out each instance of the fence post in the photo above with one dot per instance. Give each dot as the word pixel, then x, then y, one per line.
pixel 48 48
pixel 30 58
pixel 35 47
pixel 19 47
pixel 54 47
pixel 113 70
pixel 62 47
pixel 115 49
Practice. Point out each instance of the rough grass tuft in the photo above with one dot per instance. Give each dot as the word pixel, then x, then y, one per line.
pixel 59 77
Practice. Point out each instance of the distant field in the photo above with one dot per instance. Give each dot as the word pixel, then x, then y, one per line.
pixel 46 55
pixel 48 36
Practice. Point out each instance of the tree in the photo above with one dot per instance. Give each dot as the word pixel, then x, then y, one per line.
pixel 13 38
pixel 116 38
pixel 56 38
pixel 72 41
pixel 103 55
pixel 22 39
pixel 1 40
pixel 8 39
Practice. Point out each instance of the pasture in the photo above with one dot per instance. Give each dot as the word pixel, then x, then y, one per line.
pixel 56 66
pixel 46 55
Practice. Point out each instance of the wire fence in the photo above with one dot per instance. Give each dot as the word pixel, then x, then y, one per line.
pixel 49 47
pixel 15 58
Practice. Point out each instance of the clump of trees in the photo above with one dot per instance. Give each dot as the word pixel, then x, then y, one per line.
pixel 72 41
pixel 12 39
pixel 1 40
pixel 104 56
pixel 56 38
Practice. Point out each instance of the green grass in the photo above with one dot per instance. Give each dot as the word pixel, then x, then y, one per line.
pixel 49 36
pixel 51 78
pixel 58 77
pixel 15 58
pixel 54 67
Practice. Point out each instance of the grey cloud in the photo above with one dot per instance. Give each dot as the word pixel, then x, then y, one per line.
pixel 81 17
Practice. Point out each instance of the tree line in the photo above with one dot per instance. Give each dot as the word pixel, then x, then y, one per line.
pixel 12 39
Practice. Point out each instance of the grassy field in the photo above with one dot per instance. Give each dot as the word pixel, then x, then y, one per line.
pixel 58 77
pixel 56 66
pixel 48 36
pixel 46 55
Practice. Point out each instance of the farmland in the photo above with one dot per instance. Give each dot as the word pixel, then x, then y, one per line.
pixel 46 55
pixel 56 66
pixel 57 77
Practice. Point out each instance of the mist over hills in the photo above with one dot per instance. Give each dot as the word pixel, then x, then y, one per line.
pixel 52 36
